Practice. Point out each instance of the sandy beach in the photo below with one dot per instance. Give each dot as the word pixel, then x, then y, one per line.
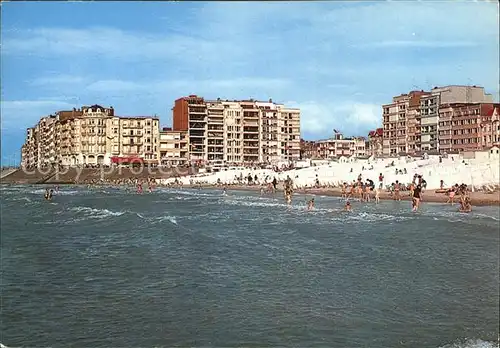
pixel 477 198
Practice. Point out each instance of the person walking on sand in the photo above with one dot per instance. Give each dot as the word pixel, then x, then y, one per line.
pixel 380 181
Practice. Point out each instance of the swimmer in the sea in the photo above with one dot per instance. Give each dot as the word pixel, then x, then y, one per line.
pixel 310 204
pixel 348 206
pixel 465 205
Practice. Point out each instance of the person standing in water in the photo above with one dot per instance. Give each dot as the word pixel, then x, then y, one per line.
pixel 377 195
pixel 310 204
pixel 397 196
pixel 48 194
pixel 348 206
pixel 417 196
pixel 465 205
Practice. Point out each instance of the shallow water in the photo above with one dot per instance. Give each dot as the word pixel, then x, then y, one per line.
pixel 107 268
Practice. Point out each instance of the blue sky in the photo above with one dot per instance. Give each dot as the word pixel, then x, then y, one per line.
pixel 337 61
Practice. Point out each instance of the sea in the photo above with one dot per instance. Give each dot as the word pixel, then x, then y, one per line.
pixel 107 267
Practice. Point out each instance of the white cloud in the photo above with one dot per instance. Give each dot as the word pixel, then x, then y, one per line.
pixel 104 42
pixel 116 88
pixel 305 51
pixel 112 86
pixel 242 30
pixel 319 119
pixel 27 112
pixel 58 80
pixel 415 43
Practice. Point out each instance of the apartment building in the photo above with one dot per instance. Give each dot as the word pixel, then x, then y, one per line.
pixel 236 132
pixel 68 130
pixel 338 146
pixel 190 114
pixel 431 103
pixel 30 149
pixel 491 135
pixel 290 133
pixel 233 132
pixel 215 132
pixel 468 127
pixel 375 142
pixel 401 129
pixel 411 121
pixel 174 147
pixel 92 135
pixel 308 149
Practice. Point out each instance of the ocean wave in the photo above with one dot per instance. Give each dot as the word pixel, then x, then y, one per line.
pixel 200 193
pixel 158 219
pixel 18 199
pixel 471 343
pixel 97 213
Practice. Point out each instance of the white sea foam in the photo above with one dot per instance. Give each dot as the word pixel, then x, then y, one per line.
pixel 158 219
pixel 172 219
pixel 472 343
pixel 96 213
pixel 17 199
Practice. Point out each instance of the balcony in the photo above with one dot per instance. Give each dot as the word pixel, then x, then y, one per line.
pixel 251 129
pixel 219 135
pixel 249 115
pixel 215 120
pixel 126 134
pixel 215 150
pixel 197 133
pixel 196 125
pixel 131 126
pixel 197 118
pixel 215 128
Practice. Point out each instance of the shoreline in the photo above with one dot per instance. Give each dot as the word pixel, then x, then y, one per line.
pixel 478 198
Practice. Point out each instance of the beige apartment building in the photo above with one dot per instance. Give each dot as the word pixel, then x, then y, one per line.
pixel 238 132
pixel 30 149
pixel 174 147
pixel 233 132
pixel 411 121
pixel 401 129
pixel 468 127
pixel 431 103
pixel 91 135
pixel 338 146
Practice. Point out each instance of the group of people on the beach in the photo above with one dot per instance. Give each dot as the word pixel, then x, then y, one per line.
pixel 364 190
